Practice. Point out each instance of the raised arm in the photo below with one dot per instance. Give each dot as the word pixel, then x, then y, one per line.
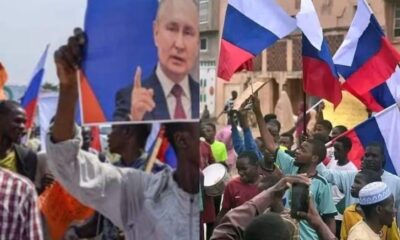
pixel 266 136
pixel 93 183
pixel 67 59
pixel 236 220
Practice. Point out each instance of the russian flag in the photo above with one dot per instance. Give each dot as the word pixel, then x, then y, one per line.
pixel 383 128
pixel 319 72
pixel 249 28
pixel 166 152
pixel 368 62
pixel 29 100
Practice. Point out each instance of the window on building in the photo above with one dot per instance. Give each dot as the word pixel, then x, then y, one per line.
pixel 203 44
pixel 203 11
pixel 397 20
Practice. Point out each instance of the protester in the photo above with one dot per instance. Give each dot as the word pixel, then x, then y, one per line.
pixel 218 148
pixel 20 217
pixel 377 204
pixel 239 223
pixel 128 142
pixel 144 206
pixel 229 103
pixel 14 156
pixel 374 160
pixel 224 135
pixel 353 213
pixel 247 143
pixel 323 127
pixel 308 156
pixel 342 147
pixel 205 115
pixel 286 140
pixel 338 130
pixel 208 215
pixel 243 188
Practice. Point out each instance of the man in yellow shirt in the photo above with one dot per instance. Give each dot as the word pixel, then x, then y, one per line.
pixel 377 204
pixel 353 214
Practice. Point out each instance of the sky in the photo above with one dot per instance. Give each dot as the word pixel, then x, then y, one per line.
pixel 27 26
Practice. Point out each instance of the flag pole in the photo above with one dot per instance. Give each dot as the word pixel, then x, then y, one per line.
pixel 304 113
pixel 156 148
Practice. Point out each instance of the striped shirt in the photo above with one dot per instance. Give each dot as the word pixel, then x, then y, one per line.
pixel 19 213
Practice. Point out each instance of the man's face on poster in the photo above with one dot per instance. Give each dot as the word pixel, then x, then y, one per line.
pixel 176 35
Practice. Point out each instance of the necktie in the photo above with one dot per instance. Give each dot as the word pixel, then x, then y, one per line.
pixel 177 92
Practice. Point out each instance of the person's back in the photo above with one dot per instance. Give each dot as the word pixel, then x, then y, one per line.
pixel 20 217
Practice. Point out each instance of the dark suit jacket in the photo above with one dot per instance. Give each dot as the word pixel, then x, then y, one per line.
pixel 26 162
pixel 160 112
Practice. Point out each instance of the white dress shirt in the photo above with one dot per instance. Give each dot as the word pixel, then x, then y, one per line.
pixel 144 206
pixel 167 85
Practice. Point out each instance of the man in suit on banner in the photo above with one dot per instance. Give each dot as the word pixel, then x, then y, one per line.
pixel 170 92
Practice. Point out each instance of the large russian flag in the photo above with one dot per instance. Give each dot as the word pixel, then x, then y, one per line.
pixel 384 128
pixel 250 26
pixel 120 38
pixel 30 98
pixel 368 62
pixel 319 73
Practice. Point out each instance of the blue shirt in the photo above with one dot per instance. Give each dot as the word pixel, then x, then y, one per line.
pixel 320 191
pixel 246 143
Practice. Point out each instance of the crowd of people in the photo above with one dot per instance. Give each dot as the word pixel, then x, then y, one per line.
pixel 344 202
pixel 288 182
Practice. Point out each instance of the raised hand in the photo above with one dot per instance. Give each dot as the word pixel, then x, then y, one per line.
pixel 285 183
pixel 68 59
pixel 141 98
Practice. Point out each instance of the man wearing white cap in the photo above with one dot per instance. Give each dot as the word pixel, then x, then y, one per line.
pixel 377 203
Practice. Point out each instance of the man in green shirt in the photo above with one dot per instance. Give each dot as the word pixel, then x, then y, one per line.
pixel 308 156
pixel 218 148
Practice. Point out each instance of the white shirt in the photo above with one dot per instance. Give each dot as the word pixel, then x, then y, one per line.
pixel 167 85
pixel 144 206
pixel 347 167
pixel 336 193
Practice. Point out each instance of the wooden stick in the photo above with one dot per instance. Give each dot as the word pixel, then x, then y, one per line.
pixel 157 146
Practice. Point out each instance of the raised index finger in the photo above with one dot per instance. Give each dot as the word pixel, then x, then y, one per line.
pixel 138 78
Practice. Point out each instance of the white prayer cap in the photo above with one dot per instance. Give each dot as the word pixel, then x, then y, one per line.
pixel 374 193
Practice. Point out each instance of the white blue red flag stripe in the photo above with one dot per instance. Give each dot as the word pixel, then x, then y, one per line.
pixel 249 28
pixel 319 73
pixel 30 98
pixel 368 61
pixel 384 128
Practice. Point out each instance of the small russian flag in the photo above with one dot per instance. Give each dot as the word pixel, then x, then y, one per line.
pixel 30 98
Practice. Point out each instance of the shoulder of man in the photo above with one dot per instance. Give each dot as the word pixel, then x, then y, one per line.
pixel 27 157
pixel 17 178
pixel 319 178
